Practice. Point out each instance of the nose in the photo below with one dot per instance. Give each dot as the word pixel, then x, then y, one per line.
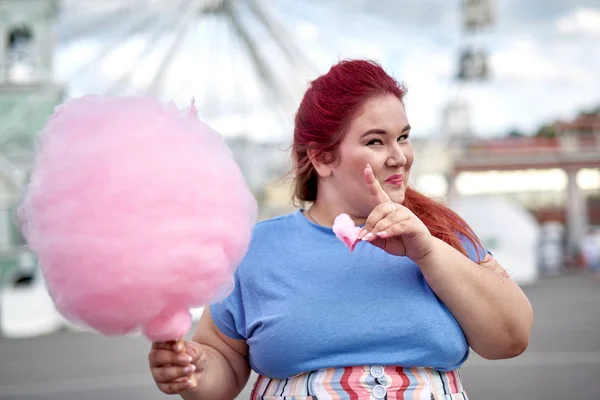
pixel 396 157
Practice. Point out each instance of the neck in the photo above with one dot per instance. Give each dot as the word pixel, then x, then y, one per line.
pixel 325 209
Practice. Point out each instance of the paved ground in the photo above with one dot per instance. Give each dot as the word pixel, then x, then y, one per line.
pixel 562 362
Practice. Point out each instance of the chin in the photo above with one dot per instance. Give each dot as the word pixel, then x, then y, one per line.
pixel 397 196
pixel 398 199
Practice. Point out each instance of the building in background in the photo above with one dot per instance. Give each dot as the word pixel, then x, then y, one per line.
pixel 557 179
pixel 28 95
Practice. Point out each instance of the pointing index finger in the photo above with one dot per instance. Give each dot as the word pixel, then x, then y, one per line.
pixel 375 188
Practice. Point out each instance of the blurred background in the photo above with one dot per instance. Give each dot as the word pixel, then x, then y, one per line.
pixel 504 101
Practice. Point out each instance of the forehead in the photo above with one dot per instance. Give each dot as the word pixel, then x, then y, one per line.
pixel 384 112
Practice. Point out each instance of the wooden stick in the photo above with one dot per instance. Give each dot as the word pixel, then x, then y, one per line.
pixel 181 342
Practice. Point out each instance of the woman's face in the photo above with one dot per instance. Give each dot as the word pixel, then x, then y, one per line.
pixel 379 136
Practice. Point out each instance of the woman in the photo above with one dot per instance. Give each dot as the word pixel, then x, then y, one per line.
pixel 394 318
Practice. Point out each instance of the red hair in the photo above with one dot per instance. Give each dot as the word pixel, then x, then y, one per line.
pixel 328 106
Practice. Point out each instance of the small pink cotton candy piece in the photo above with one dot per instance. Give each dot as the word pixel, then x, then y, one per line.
pixel 137 212
pixel 344 229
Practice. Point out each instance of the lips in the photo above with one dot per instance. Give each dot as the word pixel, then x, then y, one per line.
pixel 394 179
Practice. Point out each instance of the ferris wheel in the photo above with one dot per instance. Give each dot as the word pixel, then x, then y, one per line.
pixel 233 56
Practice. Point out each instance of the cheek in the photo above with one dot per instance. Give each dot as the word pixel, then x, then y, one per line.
pixel 410 157
pixel 357 162
pixel 353 176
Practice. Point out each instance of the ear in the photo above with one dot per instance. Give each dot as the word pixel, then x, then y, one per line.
pixel 323 168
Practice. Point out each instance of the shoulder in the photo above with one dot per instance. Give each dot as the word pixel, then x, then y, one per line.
pixel 275 223
pixel 475 250
pixel 273 228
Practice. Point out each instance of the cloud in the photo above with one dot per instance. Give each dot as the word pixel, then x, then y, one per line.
pixel 526 60
pixel 581 21
pixel 520 14
pixel 540 57
pixel 522 60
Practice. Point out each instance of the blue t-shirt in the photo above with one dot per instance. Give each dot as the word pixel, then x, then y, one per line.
pixel 304 302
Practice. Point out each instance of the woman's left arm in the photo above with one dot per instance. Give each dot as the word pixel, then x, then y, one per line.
pixel 490 307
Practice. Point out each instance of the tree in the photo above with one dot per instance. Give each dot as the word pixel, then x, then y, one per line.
pixel 547 131
pixel 590 112
pixel 515 133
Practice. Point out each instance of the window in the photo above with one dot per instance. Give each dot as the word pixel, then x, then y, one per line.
pixel 20 55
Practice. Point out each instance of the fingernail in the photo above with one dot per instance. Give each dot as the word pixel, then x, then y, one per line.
pixel 382 234
pixel 368 236
pixel 369 166
pixel 191 351
pixel 185 358
pixel 189 369
pixel 362 233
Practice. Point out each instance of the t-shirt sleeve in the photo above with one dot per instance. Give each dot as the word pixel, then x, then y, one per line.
pixel 228 314
pixel 475 253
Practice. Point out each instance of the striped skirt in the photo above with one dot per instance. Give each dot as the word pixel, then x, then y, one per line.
pixel 368 383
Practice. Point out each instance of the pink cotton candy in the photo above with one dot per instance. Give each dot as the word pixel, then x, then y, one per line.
pixel 137 212
pixel 344 229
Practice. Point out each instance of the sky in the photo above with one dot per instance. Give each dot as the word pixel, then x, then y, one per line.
pixel 544 57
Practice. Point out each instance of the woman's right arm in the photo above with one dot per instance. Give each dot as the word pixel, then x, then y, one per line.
pixel 221 364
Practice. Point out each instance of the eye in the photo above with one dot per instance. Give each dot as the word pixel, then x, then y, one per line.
pixel 374 142
pixel 403 138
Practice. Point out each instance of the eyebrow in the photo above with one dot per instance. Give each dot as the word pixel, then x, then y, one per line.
pixel 383 131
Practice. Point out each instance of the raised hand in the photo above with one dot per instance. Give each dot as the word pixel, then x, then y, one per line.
pixel 393 227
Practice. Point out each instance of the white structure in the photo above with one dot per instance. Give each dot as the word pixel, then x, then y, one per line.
pixel 28 311
pixel 507 230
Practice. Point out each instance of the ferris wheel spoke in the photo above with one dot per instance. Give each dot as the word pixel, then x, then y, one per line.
pixel 261 66
pixel 160 28
pixel 280 35
pixel 87 21
pixel 189 14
